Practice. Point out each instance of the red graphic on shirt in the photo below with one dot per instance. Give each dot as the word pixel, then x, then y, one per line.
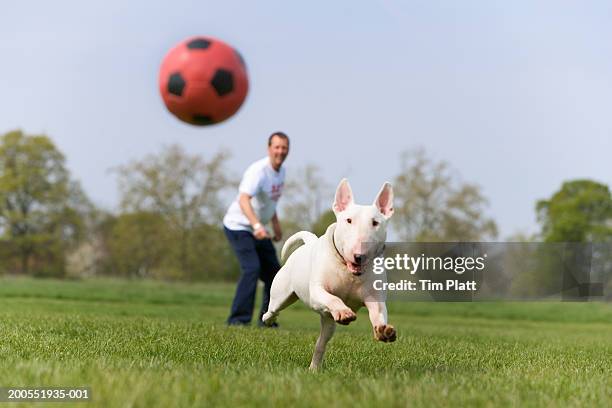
pixel 276 191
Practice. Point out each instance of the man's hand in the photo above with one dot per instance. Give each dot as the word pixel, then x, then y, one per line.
pixel 260 232
pixel 278 234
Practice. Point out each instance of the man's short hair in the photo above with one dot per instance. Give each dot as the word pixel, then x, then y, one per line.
pixel 278 134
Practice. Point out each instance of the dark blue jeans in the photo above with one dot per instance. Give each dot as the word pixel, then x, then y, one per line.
pixel 257 260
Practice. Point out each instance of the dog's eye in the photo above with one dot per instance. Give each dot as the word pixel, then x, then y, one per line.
pixel 375 223
pixel 349 220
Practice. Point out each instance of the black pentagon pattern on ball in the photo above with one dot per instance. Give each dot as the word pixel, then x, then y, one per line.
pixel 176 84
pixel 223 82
pixel 202 120
pixel 198 44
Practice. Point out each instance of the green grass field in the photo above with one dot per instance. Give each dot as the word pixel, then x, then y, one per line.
pixel 147 344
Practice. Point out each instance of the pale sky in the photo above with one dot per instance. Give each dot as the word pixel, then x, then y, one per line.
pixel 517 95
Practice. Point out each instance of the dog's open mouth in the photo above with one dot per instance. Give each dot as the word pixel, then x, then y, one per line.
pixel 355 268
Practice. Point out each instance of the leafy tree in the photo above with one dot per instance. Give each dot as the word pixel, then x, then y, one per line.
pixel 138 244
pixel 305 196
pixel 211 257
pixel 143 245
pixel 432 204
pixel 42 210
pixel 186 192
pixel 581 211
pixel 324 221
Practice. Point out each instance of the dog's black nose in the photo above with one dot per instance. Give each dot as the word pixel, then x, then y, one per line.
pixel 359 259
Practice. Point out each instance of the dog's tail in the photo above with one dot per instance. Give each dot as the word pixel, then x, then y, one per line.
pixel 294 241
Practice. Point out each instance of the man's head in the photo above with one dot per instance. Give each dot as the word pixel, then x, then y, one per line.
pixel 278 149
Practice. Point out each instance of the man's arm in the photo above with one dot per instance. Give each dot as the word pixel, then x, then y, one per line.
pixel 245 205
pixel 278 232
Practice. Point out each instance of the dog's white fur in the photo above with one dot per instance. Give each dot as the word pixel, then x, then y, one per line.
pixel 328 273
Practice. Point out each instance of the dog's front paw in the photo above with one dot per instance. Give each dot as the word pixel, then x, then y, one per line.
pixel 269 319
pixel 385 333
pixel 344 316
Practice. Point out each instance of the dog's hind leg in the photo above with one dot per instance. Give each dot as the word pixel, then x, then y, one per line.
pixel 328 326
pixel 281 296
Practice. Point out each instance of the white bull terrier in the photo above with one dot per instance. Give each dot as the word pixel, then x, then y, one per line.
pixel 327 273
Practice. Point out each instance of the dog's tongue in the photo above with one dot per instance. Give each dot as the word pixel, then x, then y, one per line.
pixel 354 268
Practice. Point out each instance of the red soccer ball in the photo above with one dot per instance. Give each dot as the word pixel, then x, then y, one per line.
pixel 203 81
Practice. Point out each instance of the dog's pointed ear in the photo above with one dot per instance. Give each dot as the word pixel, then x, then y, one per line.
pixel 384 200
pixel 344 196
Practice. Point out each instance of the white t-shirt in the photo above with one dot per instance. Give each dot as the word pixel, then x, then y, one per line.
pixel 264 185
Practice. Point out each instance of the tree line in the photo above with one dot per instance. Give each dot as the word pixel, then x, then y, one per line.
pixel 168 222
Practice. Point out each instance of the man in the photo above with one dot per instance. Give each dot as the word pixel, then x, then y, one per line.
pixel 255 206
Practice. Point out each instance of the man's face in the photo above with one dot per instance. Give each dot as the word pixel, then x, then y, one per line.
pixel 278 151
